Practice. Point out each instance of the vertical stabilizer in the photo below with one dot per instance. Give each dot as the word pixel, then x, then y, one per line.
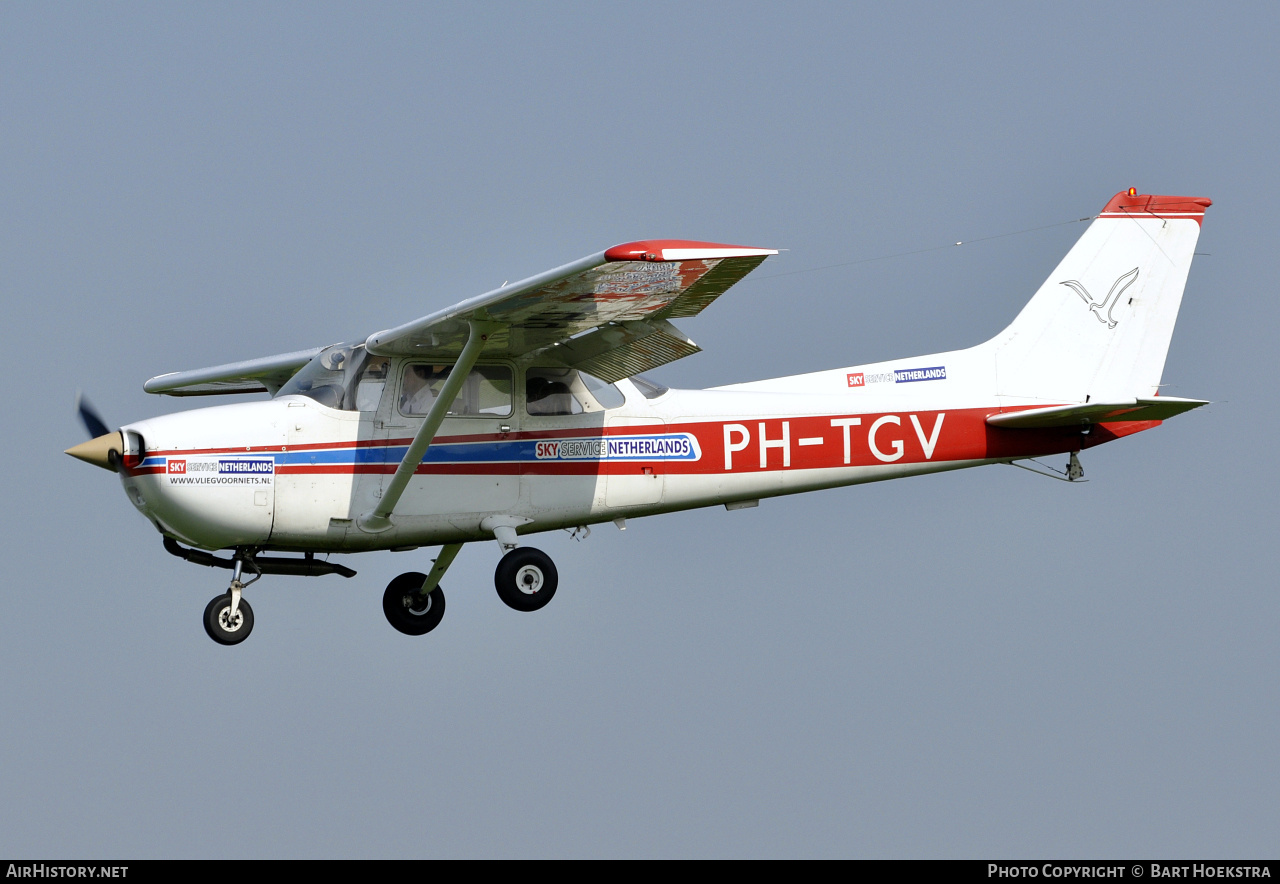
pixel 1099 328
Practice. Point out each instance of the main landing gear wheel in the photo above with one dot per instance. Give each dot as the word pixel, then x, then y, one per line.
pixel 407 609
pixel 222 627
pixel 526 578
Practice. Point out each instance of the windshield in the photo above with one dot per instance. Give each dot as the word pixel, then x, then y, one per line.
pixel 343 376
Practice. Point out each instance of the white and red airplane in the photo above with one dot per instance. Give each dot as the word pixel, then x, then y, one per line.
pixel 524 410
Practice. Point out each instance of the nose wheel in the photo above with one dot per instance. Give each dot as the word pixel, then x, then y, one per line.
pixel 410 610
pixel 526 578
pixel 225 626
pixel 228 619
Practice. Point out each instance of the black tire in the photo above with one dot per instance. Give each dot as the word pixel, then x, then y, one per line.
pixel 526 579
pixel 405 608
pixel 218 625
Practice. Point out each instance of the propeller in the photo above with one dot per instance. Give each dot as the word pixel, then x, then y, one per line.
pixel 89 416
pixel 104 446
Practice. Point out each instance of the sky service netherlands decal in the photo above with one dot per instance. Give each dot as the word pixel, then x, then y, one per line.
pixel 220 471
pixel 666 446
pixel 897 376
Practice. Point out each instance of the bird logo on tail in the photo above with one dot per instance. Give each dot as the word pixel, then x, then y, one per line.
pixel 1113 297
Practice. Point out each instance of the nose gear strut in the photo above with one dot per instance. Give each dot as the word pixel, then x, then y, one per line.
pixel 229 619
pixel 236 586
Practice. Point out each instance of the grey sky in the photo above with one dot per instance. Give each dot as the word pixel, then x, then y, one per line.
pixel 981 663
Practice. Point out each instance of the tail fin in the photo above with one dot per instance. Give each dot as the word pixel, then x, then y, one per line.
pixel 1099 328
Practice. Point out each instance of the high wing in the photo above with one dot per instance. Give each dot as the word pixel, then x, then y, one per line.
pixel 606 314
pixel 264 375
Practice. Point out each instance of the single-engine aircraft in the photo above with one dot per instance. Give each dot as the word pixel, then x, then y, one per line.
pixel 525 410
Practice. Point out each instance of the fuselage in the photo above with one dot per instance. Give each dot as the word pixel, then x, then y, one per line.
pixel 293 473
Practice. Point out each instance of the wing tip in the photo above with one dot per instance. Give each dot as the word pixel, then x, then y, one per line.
pixel 680 250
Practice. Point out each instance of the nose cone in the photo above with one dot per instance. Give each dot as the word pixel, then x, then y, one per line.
pixel 103 451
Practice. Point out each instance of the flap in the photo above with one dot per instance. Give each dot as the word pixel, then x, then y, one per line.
pixel 619 351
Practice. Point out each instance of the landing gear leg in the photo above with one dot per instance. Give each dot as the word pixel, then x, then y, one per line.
pixel 228 619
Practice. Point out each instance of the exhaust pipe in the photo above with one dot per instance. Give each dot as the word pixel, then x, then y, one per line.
pixel 307 566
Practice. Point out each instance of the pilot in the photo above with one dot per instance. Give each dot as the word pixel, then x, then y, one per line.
pixel 422 385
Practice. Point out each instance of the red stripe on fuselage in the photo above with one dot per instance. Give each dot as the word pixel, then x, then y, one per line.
pixel 875 439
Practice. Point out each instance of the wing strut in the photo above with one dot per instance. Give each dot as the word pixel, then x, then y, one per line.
pixel 380 518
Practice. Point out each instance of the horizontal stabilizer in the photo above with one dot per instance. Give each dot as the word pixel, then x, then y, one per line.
pixel 1154 409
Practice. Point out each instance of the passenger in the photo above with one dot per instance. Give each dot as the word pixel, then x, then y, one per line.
pixel 558 399
pixel 545 396
pixel 536 389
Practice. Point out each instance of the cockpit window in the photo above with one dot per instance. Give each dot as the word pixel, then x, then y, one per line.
pixel 559 391
pixel 343 376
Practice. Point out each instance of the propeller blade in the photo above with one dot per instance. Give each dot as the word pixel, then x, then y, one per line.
pixel 90 418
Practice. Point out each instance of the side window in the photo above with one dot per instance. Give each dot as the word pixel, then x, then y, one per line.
pixel 560 391
pixel 486 391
